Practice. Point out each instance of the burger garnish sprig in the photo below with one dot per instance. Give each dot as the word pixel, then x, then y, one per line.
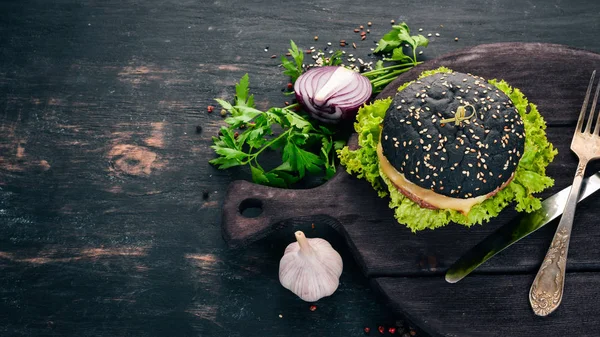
pixel 452 147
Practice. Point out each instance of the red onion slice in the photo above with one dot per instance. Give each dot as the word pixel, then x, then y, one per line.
pixel 332 94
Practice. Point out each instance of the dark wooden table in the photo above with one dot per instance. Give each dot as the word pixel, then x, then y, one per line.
pixel 109 212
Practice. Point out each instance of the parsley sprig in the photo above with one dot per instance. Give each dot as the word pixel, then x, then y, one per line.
pixel 393 46
pixel 304 147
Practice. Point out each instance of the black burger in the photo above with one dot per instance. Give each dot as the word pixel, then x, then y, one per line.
pixel 450 147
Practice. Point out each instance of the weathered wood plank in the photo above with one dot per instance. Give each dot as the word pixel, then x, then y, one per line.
pixel 103 227
pixel 493 305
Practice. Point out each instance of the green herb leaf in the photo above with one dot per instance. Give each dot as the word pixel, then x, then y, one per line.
pixel 339 144
pixel 225 105
pixel 326 148
pixel 242 97
pixel 399 56
pixel 403 32
pixel 301 160
pixel 224 163
pixel 419 41
pixel 242 115
pixel 258 175
pixel 293 69
pixel 227 139
pixel 334 59
pixel 276 180
pixel 298 122
pixel 229 153
pixel 386 45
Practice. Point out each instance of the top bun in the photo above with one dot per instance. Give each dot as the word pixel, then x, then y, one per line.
pixel 454 134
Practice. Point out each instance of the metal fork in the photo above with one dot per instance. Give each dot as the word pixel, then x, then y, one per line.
pixel 546 291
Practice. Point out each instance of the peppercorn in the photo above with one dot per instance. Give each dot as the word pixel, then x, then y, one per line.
pixel 198 128
pixel 210 108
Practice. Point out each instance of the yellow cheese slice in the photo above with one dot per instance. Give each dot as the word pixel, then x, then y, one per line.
pixel 430 197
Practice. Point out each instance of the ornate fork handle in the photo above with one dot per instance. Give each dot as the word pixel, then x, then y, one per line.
pixel 547 289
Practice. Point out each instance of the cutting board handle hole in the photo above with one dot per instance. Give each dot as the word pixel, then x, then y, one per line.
pixel 251 208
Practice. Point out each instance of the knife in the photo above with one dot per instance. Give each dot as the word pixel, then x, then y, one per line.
pixel 517 229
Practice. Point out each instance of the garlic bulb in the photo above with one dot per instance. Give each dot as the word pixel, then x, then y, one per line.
pixel 310 268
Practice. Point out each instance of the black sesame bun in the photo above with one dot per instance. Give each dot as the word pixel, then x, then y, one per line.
pixel 453 137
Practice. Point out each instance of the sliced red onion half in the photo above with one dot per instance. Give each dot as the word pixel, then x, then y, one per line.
pixel 331 94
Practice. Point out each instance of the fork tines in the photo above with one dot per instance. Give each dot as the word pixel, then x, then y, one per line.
pixel 582 114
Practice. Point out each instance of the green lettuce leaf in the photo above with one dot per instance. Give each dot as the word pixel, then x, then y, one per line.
pixel 530 176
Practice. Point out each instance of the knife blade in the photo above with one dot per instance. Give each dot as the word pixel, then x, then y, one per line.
pixel 517 229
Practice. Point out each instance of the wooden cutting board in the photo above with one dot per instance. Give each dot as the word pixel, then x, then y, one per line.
pixel 408 267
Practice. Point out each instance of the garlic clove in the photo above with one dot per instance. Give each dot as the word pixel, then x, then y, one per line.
pixel 310 268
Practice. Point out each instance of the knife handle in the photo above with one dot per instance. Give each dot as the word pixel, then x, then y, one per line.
pixel 546 291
